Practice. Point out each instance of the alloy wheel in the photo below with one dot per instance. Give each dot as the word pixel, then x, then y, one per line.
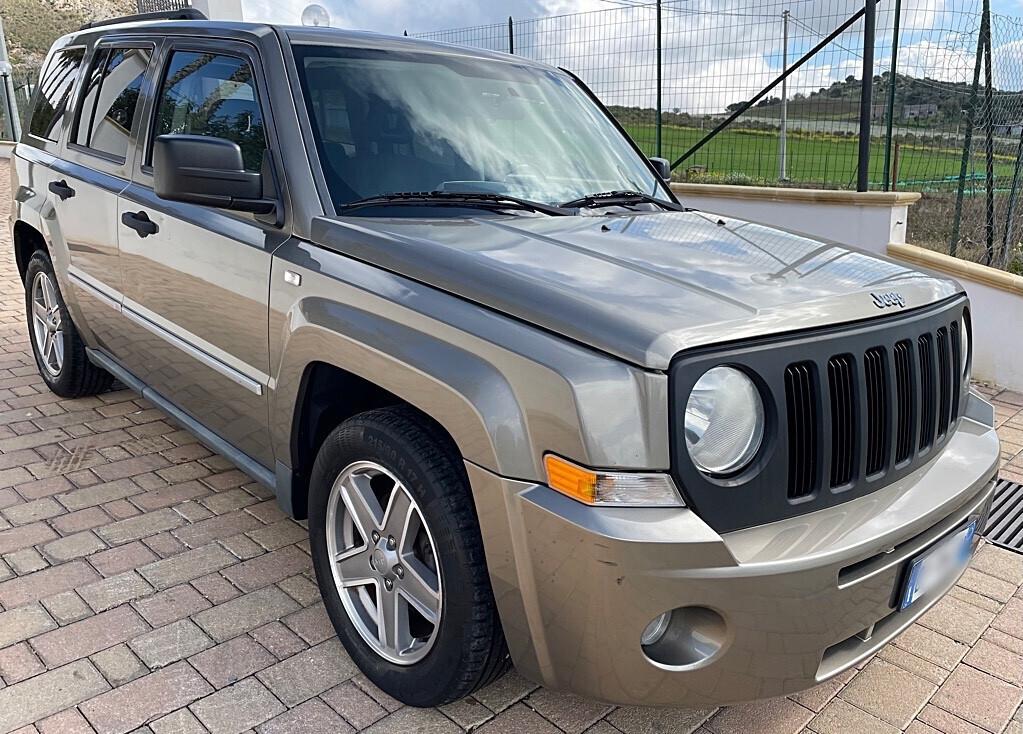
pixel 383 561
pixel 47 324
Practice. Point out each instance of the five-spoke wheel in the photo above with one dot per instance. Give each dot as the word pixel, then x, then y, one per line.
pixel 47 325
pixel 398 553
pixel 384 562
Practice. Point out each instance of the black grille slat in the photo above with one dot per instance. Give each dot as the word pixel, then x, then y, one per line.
pixel 906 416
pixel 843 419
pixel 801 402
pixel 1005 522
pixel 957 376
pixel 944 382
pixel 927 391
pixel 875 375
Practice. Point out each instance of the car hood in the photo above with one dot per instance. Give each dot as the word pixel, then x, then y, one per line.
pixel 642 287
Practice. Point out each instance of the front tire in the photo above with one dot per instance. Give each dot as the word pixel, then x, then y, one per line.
pixel 399 558
pixel 56 343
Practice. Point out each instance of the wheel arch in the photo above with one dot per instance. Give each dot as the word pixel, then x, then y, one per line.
pixel 27 241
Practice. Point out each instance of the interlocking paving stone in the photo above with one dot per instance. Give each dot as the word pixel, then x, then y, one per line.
pixel 239 707
pixel 309 673
pixel 22 623
pixel 171 605
pixel 90 635
pixel 48 582
pixel 167 645
pixel 232 661
pixel 239 615
pixel 187 566
pixel 141 526
pixel 114 591
pixel 979 698
pixel 49 693
pixel 119 665
pixel 311 717
pixel 145 699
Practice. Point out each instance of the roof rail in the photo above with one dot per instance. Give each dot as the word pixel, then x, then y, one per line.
pixel 182 14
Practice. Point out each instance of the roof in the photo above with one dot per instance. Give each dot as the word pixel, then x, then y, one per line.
pixel 299 34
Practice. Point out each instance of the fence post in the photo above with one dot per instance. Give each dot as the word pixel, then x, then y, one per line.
pixel 867 95
pixel 511 35
pixel 971 120
pixel 660 111
pixel 11 109
pixel 989 142
pixel 892 84
pixel 783 142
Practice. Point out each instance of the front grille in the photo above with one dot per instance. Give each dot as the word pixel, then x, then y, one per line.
pixel 849 410
pixel 883 416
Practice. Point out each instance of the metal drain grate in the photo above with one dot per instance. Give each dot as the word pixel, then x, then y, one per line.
pixel 1005 523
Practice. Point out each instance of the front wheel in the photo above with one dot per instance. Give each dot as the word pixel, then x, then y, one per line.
pixel 399 558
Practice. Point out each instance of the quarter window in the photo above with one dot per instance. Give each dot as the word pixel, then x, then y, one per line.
pixel 110 100
pixel 213 95
pixel 54 96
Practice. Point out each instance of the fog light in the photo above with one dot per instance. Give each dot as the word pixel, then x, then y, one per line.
pixel 686 638
pixel 655 630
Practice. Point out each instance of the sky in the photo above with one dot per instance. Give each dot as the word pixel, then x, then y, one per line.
pixel 716 52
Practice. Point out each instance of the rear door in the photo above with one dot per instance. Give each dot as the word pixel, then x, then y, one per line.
pixel 93 168
pixel 196 290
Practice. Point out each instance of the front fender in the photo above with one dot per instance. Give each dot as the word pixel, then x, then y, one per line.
pixel 505 391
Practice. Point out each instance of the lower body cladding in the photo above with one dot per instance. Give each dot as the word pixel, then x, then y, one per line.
pixel 755 613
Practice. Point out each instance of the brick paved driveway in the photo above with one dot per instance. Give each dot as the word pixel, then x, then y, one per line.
pixel 147 585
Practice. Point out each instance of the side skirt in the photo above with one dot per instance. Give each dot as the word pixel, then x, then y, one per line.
pixel 275 480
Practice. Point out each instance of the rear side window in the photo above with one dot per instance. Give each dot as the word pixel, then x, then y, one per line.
pixel 213 95
pixel 110 100
pixel 53 100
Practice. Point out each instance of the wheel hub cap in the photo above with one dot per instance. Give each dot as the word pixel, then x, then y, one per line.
pixel 383 563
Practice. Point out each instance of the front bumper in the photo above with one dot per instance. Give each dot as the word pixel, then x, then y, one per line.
pixel 800 599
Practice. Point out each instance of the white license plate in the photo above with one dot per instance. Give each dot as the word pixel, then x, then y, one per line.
pixel 938 565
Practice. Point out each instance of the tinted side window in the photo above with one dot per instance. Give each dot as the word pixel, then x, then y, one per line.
pixel 213 95
pixel 111 96
pixel 54 96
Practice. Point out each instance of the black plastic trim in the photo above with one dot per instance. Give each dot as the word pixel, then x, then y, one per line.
pixel 757 494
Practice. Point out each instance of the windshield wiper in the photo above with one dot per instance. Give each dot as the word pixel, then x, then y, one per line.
pixel 619 198
pixel 454 198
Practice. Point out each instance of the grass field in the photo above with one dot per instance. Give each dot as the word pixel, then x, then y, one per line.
pixel 812 160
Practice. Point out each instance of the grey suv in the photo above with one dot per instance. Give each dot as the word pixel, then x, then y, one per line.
pixel 535 411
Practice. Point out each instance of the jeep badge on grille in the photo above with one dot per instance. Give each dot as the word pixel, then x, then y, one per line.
pixel 888 300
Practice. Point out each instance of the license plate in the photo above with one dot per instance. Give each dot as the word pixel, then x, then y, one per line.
pixel 934 568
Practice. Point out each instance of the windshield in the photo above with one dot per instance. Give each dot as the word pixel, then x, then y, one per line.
pixel 387 122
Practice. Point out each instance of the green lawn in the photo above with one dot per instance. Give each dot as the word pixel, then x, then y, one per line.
pixel 813 160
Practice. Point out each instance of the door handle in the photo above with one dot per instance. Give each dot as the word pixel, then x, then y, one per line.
pixel 140 222
pixel 61 189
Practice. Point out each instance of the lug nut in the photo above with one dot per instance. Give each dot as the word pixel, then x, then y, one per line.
pixel 399 572
pixel 375 535
pixel 391 542
pixel 388 584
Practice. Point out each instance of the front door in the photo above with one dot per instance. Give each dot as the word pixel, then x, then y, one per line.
pixel 196 279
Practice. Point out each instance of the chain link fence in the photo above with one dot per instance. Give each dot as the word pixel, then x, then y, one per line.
pixel 673 72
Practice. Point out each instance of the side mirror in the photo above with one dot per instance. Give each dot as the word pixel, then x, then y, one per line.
pixel 210 171
pixel 663 168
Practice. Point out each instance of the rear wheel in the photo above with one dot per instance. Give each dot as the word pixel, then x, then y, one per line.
pixel 399 558
pixel 58 348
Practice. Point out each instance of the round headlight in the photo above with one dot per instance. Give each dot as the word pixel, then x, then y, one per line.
pixel 964 348
pixel 724 423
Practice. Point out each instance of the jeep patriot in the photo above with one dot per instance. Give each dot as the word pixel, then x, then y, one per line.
pixel 536 412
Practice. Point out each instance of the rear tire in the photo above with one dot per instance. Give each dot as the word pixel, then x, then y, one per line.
pixel 57 346
pixel 377 455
